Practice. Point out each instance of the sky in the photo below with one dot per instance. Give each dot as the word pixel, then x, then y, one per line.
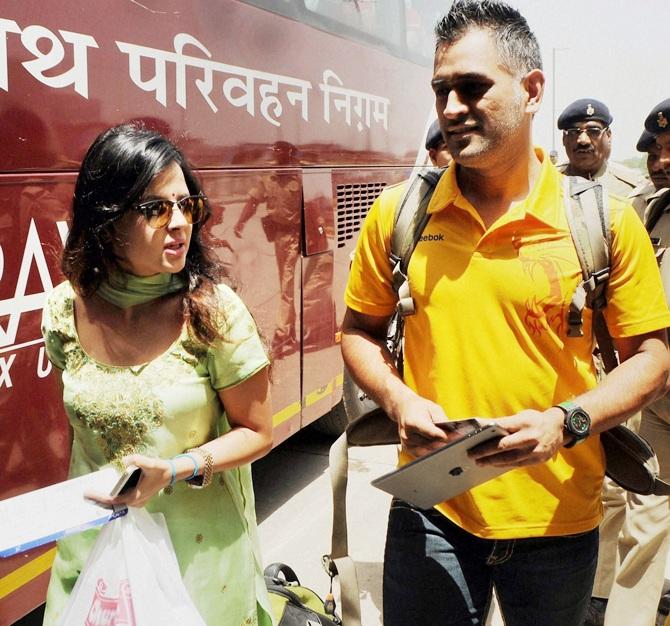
pixel 617 51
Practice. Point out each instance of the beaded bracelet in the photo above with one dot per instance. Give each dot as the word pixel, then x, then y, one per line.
pixel 200 482
pixel 196 465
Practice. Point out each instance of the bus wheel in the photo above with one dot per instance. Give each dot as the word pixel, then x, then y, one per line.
pixel 334 422
pixel 354 403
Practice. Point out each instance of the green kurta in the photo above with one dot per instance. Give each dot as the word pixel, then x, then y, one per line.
pixel 160 409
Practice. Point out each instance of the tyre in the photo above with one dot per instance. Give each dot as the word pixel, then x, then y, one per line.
pixel 354 403
pixel 334 422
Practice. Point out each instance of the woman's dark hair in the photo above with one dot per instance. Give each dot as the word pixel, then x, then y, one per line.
pixel 115 173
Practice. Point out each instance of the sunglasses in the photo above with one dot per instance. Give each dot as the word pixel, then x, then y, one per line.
pixel 158 213
pixel 593 132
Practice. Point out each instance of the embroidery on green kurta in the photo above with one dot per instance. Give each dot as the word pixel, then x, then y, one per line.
pixel 123 429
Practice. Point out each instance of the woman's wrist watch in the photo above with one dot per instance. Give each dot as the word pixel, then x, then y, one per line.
pixel 576 422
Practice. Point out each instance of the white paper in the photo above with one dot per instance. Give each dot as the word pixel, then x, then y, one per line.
pixel 44 515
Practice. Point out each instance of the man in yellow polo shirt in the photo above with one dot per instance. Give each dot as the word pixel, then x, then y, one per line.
pixel 492 288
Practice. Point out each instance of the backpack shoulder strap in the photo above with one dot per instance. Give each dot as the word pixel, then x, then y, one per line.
pixel 587 212
pixel 411 217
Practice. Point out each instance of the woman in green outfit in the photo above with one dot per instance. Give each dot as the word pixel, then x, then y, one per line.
pixel 151 346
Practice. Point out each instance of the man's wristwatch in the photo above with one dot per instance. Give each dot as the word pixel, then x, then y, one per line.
pixel 576 422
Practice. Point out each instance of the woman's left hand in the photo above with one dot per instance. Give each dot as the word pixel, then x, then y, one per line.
pixel 156 475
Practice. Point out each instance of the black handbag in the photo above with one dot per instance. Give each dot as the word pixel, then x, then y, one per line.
pixel 631 462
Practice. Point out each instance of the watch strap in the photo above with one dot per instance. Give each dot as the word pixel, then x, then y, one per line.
pixel 568 406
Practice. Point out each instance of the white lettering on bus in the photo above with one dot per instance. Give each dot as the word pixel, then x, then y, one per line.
pixel 343 101
pixel 77 75
pixel 205 84
pixel 5 365
pixel 241 87
pixel 240 78
pixel 22 302
pixel 14 307
pixel 43 364
pixel 61 225
pixel 6 26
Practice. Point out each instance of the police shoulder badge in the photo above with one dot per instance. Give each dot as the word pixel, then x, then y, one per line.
pixel 590 110
pixel 662 121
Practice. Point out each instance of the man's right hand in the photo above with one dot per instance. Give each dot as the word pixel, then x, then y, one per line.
pixel 416 418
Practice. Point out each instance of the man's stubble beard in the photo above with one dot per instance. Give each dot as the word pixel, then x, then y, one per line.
pixel 490 137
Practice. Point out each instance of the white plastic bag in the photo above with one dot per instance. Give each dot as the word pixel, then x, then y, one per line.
pixel 132 578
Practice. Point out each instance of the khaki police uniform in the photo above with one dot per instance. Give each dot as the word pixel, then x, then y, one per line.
pixel 641 195
pixel 617 179
pixel 635 531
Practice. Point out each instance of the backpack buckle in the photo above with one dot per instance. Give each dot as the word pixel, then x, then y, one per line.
pixel 595 288
pixel 597 279
pixel 405 306
pixel 575 323
pixel 405 303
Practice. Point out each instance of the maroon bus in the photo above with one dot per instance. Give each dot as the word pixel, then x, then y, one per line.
pixel 295 113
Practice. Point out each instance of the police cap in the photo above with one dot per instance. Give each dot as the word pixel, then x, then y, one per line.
pixel 584 110
pixel 658 121
pixel 646 141
pixel 434 137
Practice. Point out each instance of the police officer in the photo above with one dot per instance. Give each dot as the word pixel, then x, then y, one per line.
pixel 437 146
pixel 635 531
pixel 657 211
pixel 651 199
pixel 655 182
pixel 587 139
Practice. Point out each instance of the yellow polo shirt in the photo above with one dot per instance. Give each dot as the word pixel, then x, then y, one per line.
pixel 489 336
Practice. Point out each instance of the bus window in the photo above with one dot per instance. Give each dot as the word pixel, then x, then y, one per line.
pixel 380 20
pixel 287 8
pixel 420 19
pixel 402 27
pixel 373 22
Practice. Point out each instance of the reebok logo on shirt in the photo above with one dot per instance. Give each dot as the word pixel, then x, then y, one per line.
pixel 432 238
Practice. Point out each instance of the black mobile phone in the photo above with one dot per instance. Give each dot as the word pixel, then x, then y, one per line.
pixel 127 481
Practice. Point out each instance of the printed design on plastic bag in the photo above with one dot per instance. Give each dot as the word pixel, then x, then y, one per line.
pixel 107 610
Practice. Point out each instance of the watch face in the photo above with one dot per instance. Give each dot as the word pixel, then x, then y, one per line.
pixel 580 422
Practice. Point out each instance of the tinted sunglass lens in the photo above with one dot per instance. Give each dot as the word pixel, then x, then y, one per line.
pixel 193 208
pixel 159 214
